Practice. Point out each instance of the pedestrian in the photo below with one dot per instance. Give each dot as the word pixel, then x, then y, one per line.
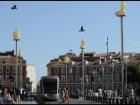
pixel 6 97
pixel 96 96
pixel 115 94
pixel 100 94
pixel 131 95
pixel 66 96
pixel 62 95
pixel 109 95
pixel 1 101
pixel 105 96
pixel 78 93
pixel 14 95
pixel 18 100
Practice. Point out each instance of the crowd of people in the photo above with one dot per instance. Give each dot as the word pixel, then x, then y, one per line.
pixel 10 96
pixel 108 94
pixel 101 95
pixel 104 95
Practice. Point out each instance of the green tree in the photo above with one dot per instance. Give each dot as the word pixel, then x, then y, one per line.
pixel 28 85
pixel 133 77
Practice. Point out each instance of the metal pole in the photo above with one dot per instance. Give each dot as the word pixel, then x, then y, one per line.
pixel 31 92
pixel 107 50
pixel 126 78
pixel 16 65
pixel 112 77
pixel 92 88
pixel 94 78
pixel 66 75
pixel 83 71
pixel 102 79
pixel 13 83
pixel 122 56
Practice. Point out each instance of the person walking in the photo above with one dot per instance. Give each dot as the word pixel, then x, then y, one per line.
pixel 66 96
pixel 131 95
pixel 100 94
pixel 18 100
pixel 109 95
pixel 6 97
pixel 78 93
pixel 62 94
pixel 105 96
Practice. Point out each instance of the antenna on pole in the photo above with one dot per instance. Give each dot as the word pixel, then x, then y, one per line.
pixel 107 48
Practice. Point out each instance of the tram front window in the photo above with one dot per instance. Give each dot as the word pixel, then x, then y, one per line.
pixel 50 86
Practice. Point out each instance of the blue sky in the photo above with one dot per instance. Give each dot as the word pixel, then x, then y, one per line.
pixel 50 28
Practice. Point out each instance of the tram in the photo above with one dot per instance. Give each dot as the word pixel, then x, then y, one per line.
pixel 49 87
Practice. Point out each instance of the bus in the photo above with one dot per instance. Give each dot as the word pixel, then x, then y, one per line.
pixel 49 86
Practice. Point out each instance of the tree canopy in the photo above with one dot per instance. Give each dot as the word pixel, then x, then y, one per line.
pixel 133 75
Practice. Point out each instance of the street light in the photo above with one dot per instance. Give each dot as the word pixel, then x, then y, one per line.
pixel 121 14
pixel 66 61
pixel 82 46
pixel 16 38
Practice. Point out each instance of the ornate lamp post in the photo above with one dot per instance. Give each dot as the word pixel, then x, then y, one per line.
pixel 121 14
pixel 66 61
pixel 82 46
pixel 16 38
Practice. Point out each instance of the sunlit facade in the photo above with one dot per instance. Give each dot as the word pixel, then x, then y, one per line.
pixel 31 74
pixel 8 67
pixel 99 73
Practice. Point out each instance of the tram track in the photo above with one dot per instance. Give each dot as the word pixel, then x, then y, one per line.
pixel 40 100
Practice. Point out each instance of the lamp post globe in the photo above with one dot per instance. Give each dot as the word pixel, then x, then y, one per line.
pixel 82 44
pixel 66 59
pixel 16 35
